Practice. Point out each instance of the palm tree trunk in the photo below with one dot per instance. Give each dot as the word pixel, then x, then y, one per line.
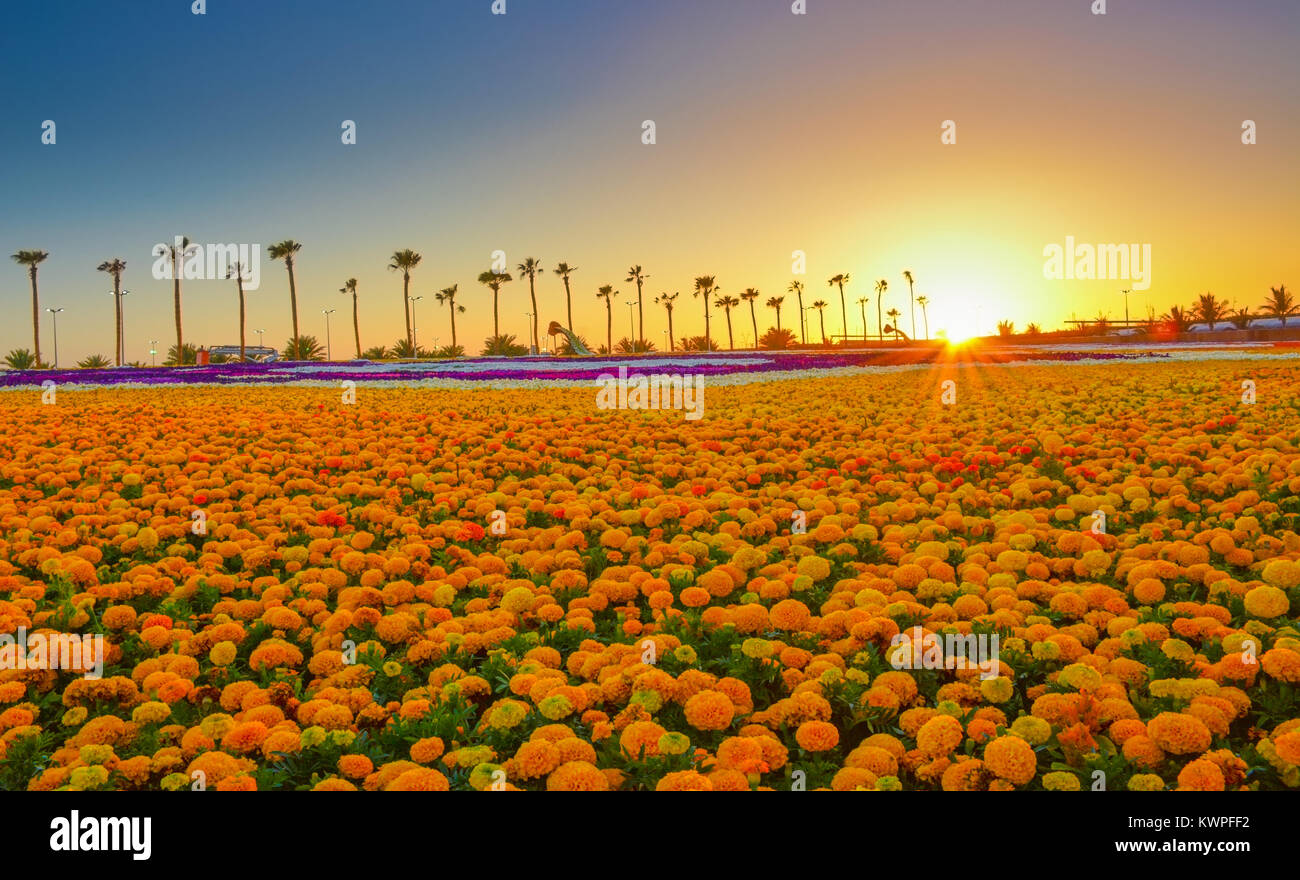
pixel 239 281
pixel 609 327
pixel 671 344
pixel 844 312
pixel 753 320
pixel 864 322
pixel 708 337
pixel 293 304
pixel 176 303
pixel 926 317
pixel 821 313
pixel 496 319
pixel 406 307
pixel 731 340
pixel 532 294
pixel 356 325
pixel 452 303
pixel 778 319
pixel 912 303
pixel 640 315
pixel 880 323
pixel 117 304
pixel 568 301
pixel 803 324
pixel 36 315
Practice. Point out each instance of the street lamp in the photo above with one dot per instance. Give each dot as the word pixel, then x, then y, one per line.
pixel 529 316
pixel 668 342
pixel 415 344
pixel 327 312
pixel 153 351
pixel 630 325
pixel 55 313
pixel 1126 293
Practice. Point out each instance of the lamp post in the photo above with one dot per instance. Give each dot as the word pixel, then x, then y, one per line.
pixel 668 342
pixel 1126 293
pixel 529 316
pixel 153 352
pixel 328 354
pixel 259 338
pixel 631 326
pixel 55 314
pixel 415 343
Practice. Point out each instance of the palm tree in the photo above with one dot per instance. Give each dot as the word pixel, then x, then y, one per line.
pixel 924 301
pixel 607 293
pixel 564 270
pixel 841 280
pixel 726 303
pixel 749 296
pixel 236 271
pixel 1210 309
pixel 350 286
pixel 1178 318
pixel 529 269
pixel 894 315
pixel 301 348
pixel 774 302
pixel 1033 330
pixel 667 300
pixel 635 274
pixel 820 306
pixel 881 286
pixel 862 304
pixel 907 275
pixel 1006 328
pixel 93 362
pixel 405 261
pixel 448 295
pixel 375 353
pixel 178 255
pixel 1280 302
pixel 32 259
pixel 704 286
pixel 285 250
pixel 116 267
pixel 1240 319
pixel 494 280
pixel 796 287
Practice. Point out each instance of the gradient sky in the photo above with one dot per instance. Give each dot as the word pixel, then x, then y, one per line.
pixel 522 132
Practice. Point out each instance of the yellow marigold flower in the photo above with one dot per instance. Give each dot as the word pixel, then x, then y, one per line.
pixel 74 716
pixel 756 648
pixel 997 690
pixel 152 712
pixel 1080 676
pixel 223 653
pixel 312 737
pixel 1145 782
pixel 557 707
pixel 1059 780
pixel 674 743
pixel 685 654
pixel 889 783
pixel 1267 602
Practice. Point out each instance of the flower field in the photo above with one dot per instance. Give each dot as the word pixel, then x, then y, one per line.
pixel 491 589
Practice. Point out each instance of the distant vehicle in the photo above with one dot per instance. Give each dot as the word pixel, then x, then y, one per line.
pixel 256 353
